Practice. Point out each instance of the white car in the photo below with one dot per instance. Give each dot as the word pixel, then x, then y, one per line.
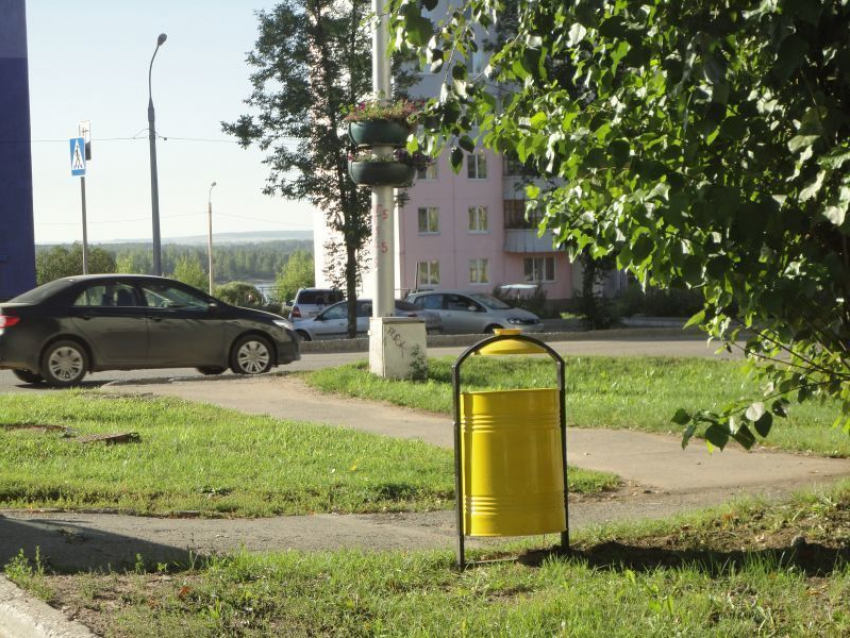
pixel 332 323
pixel 474 312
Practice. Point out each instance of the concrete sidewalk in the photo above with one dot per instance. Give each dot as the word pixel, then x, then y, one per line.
pixel 649 460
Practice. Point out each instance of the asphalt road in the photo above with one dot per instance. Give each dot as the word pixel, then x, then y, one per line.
pixel 678 347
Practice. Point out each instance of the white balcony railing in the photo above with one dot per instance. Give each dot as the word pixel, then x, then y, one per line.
pixel 525 240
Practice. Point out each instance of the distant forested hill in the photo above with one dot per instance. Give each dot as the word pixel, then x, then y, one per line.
pixel 252 261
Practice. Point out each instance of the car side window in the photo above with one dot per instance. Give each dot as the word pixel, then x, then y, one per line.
pixel 456 302
pixel 335 312
pixel 430 302
pixel 107 295
pixel 166 296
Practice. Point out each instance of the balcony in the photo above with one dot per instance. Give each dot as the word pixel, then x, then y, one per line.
pixel 521 230
pixel 525 240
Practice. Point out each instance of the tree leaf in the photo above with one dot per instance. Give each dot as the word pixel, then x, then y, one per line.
pixel 813 188
pixel 682 417
pixel 791 54
pixel 800 142
pixel 755 411
pixel 764 424
pixel 718 436
pixel 744 437
pixel 576 34
pixel 456 159
pixel 835 214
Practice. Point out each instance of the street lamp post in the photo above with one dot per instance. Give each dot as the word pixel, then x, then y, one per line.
pixel 209 236
pixel 157 248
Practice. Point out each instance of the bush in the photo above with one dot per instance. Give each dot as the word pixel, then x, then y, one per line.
pixel 656 302
pixel 240 293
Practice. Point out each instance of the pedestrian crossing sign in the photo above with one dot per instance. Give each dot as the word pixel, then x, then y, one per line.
pixel 78 157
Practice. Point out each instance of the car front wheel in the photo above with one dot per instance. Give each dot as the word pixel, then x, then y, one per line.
pixel 64 364
pixel 252 354
pixel 28 377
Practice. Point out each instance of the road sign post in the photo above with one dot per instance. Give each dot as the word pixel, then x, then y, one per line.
pixel 78 169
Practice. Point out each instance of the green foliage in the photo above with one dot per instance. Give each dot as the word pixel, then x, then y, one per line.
pixel 658 302
pixel 703 144
pixel 233 262
pixel 190 271
pixel 311 60
pixel 240 293
pixel 60 261
pixel 297 272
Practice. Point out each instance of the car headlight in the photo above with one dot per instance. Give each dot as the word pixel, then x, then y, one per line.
pixel 284 323
pixel 514 320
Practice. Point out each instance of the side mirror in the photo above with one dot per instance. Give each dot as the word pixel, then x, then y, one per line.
pixel 213 307
pixel 472 308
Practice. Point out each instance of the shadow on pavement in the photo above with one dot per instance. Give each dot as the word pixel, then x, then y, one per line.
pixel 67 547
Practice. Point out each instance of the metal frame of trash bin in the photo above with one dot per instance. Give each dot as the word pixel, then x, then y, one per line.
pixel 562 394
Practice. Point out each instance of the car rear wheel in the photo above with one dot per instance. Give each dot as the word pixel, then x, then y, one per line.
pixel 28 377
pixel 64 364
pixel 252 354
pixel 211 370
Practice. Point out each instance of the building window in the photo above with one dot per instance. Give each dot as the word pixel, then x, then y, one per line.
pixel 429 173
pixel 429 273
pixel 476 165
pixel 513 167
pixel 539 269
pixel 429 220
pixel 478 219
pixel 479 271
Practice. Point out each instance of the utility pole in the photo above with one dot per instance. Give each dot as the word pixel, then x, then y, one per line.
pixel 157 246
pixel 209 238
pixel 383 213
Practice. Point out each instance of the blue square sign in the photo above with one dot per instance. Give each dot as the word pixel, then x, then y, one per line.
pixel 78 157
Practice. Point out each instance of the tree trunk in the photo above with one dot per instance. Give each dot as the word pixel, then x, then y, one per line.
pixel 351 287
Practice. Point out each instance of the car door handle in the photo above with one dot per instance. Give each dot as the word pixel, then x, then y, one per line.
pixel 87 316
pixel 155 318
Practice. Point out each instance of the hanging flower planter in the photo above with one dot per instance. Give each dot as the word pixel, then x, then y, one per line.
pixel 398 168
pixel 378 132
pixel 381 173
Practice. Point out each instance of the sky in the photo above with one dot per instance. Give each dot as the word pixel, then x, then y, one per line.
pixel 88 60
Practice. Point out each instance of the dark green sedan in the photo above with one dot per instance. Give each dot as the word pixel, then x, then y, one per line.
pixel 58 332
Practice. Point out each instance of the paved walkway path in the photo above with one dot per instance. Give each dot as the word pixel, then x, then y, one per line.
pixel 661 480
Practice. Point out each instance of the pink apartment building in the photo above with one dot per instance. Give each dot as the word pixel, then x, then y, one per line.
pixel 469 230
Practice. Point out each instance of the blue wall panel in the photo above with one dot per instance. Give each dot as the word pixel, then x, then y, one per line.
pixel 17 241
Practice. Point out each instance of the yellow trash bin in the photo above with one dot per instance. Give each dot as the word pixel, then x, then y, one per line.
pixel 513 475
pixel 510 452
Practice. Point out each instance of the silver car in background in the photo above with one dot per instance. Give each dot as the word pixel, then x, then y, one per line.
pixel 332 323
pixel 474 312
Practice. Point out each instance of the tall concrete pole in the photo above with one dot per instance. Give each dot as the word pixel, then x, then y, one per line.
pixel 157 246
pixel 383 213
pixel 209 238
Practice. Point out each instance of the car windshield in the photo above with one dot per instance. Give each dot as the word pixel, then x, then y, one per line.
pixel 405 305
pixel 37 295
pixel 489 301
pixel 320 296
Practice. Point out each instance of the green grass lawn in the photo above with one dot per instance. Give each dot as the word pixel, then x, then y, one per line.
pixel 733 572
pixel 206 459
pixel 640 393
